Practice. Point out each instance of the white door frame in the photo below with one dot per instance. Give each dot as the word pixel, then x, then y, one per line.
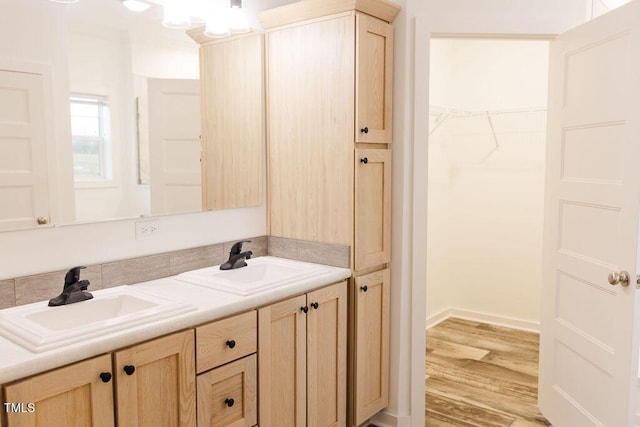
pixel 509 22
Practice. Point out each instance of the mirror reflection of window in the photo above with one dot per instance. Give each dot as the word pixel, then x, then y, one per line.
pixel 90 130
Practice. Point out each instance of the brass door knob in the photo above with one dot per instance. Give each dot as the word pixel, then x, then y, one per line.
pixel 621 278
pixel 42 220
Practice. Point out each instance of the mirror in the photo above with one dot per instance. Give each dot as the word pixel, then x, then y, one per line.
pixel 122 115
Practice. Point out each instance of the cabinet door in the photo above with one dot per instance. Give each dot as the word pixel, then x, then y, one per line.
pixel 372 208
pixel 232 122
pixel 374 79
pixel 155 382
pixel 228 395
pixel 282 358
pixel 74 396
pixel 372 344
pixel 327 356
pixel 310 115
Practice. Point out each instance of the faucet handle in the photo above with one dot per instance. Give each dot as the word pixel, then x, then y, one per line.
pixel 73 275
pixel 237 247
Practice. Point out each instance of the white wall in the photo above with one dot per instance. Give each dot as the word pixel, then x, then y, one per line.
pixel 485 207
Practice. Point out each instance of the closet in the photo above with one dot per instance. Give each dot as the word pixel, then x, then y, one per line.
pixel 486 179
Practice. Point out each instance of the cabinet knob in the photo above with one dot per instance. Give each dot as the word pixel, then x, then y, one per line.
pixel 231 343
pixel 42 220
pixel 315 305
pixel 229 402
pixel 105 377
pixel 129 369
pixel 364 288
pixel 304 309
pixel 365 160
pixel 364 130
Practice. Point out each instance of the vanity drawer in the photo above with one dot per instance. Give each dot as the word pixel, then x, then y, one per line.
pixel 228 395
pixel 225 340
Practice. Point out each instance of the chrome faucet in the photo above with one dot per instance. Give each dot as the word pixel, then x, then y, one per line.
pixel 74 289
pixel 237 257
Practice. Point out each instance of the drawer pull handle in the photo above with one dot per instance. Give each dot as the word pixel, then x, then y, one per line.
pixel 129 369
pixel 365 160
pixel 229 402
pixel 314 305
pixel 231 343
pixel 364 130
pixel 105 377
pixel 304 309
pixel 364 288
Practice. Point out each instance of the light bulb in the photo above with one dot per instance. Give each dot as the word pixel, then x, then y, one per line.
pixel 136 5
pixel 238 22
pixel 176 15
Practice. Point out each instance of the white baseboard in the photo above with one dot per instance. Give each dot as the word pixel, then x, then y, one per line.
pixel 475 316
pixel 386 419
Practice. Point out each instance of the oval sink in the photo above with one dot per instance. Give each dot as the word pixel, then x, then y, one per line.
pixel 260 274
pixel 38 327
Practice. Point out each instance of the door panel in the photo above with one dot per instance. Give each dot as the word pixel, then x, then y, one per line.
pixel 327 356
pixel 174 145
pixel 282 363
pixel 589 345
pixel 372 208
pixel 24 189
pixel 372 344
pixel 161 389
pixel 374 68
pixel 72 396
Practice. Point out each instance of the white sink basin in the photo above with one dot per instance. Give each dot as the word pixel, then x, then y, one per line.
pixel 38 327
pixel 260 274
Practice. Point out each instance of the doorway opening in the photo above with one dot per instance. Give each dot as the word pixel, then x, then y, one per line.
pixel 487 135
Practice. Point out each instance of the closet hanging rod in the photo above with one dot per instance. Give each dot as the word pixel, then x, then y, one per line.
pixel 459 112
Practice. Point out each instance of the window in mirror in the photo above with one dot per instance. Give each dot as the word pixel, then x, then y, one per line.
pixel 90 130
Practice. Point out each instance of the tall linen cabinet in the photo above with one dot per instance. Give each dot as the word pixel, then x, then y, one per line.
pixel 329 133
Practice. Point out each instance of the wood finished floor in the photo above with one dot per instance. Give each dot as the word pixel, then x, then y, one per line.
pixel 481 375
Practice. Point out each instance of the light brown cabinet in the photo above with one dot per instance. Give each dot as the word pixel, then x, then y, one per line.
pixel 302 360
pixel 372 208
pixel 232 111
pixel 370 299
pixel 78 395
pixel 228 390
pixel 374 79
pixel 329 133
pixel 227 396
pixel 155 382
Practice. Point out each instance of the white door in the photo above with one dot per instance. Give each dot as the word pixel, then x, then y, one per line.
pixel 24 190
pixel 174 146
pixel 589 328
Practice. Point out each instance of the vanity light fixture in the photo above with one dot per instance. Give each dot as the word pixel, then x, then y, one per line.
pixel 226 21
pixel 136 5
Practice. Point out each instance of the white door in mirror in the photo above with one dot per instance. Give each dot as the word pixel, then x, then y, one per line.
pixel 23 152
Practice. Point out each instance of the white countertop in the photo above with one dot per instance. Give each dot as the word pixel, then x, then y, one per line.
pixel 17 362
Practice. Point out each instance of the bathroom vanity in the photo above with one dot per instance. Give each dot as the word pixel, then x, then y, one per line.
pixel 198 367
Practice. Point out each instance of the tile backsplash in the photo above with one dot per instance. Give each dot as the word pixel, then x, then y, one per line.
pixel 40 287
